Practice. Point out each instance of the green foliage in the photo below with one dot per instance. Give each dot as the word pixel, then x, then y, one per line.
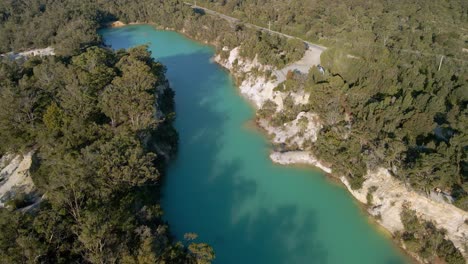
pixel 415 24
pixel 20 200
pixel 203 252
pixel 408 118
pixel 98 170
pixel 370 196
pixel 449 252
pixel 383 101
pixel 268 109
pixel 18 243
pixel 122 161
pixel 53 118
pixel 272 49
pixel 423 238
pixel 70 26
pixel 130 97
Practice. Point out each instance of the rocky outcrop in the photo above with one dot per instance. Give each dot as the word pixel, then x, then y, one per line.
pixel 304 128
pixel 388 193
pixel 254 88
pixel 298 157
pixel 388 197
pixel 49 51
pixel 259 89
pixel 15 179
pixel 117 24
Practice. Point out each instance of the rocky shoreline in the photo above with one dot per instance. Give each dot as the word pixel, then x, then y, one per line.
pixel 389 194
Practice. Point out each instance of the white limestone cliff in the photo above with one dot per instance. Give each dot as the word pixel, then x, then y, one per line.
pixel 390 195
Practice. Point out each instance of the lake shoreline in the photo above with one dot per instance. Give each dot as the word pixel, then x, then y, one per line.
pixel 392 224
pixel 333 178
pixel 261 130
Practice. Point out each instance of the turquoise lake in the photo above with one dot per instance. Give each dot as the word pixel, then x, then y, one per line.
pixel 223 186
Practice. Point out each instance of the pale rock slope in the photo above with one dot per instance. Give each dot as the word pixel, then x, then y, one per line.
pixel 49 51
pixel 390 197
pixel 391 194
pixel 259 89
pixel 305 126
pixel 15 177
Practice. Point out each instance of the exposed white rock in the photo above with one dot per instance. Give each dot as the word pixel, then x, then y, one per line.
pixel 259 89
pixel 301 98
pixel 310 58
pixel 49 51
pixel 391 194
pixel 441 197
pixel 298 157
pixel 15 177
pixel 256 89
pixel 5 160
pixel 305 126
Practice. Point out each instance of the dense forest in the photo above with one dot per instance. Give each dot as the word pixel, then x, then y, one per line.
pixel 100 141
pixel 437 27
pixel 396 89
pixel 70 26
pixel 394 94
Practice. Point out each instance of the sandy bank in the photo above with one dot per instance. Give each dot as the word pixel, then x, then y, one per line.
pixel 117 24
pixel 298 157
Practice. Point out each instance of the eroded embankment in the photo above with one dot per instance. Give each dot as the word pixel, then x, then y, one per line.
pixel 16 185
pixel 390 194
pixel 15 180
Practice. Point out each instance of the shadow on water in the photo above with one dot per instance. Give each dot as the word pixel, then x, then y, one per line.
pixel 222 195
pixel 206 194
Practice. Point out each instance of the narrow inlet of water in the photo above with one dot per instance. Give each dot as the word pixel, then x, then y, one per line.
pixel 223 186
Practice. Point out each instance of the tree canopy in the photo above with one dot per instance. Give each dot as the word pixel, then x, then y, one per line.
pixel 394 94
pixel 91 118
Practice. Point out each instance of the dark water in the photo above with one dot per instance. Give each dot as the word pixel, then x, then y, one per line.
pixel 222 185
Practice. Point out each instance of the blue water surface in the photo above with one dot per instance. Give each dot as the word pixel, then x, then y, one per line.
pixel 223 186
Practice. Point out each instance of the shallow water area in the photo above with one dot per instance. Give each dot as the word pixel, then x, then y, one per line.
pixel 223 186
